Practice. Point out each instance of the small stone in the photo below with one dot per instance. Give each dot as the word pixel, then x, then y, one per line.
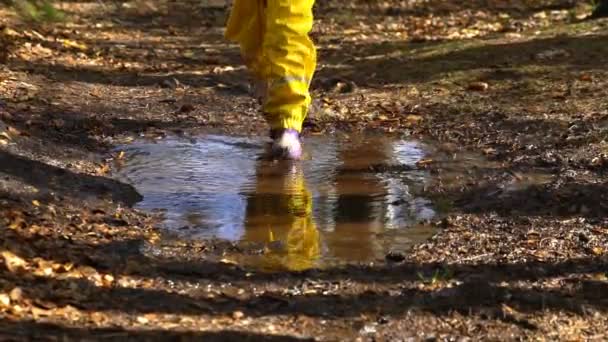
pixel 238 315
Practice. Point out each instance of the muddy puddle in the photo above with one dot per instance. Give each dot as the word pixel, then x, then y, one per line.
pixel 352 200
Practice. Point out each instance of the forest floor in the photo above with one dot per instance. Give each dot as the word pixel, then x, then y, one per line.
pixel 523 82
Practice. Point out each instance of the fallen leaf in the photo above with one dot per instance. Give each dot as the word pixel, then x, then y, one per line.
pixel 228 262
pixel 17 222
pixel 98 317
pixel 489 151
pixel 16 294
pixel 120 155
pixel 5 300
pixel 12 130
pixel 5 135
pixel 478 86
pixel 10 32
pixel 424 162
pixel 142 320
pixel 13 262
pixel 108 279
pixel 36 203
pixel 73 44
pixel 413 119
pixel 39 312
pixel 103 169
pixel 597 251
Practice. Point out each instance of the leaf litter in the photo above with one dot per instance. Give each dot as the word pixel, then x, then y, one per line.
pixel 518 81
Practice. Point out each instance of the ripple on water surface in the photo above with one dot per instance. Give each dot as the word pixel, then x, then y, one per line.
pixel 352 199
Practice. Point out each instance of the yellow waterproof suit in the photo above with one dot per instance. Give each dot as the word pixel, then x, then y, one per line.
pixel 273 35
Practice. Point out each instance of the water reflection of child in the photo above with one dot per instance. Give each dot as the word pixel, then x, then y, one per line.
pixel 279 215
pixel 276 47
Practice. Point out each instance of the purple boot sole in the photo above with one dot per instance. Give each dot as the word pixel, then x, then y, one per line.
pixel 286 144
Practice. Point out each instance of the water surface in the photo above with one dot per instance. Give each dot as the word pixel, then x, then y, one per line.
pixel 353 198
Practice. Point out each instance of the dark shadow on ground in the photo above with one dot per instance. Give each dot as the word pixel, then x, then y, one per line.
pixel 479 288
pixel 589 200
pixel 233 81
pixel 516 9
pixel 470 295
pixel 32 330
pixel 398 67
pixel 64 183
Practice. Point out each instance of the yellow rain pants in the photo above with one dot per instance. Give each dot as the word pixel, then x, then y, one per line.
pixel 276 47
pixel 279 215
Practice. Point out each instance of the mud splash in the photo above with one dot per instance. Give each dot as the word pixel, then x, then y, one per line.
pixel 353 198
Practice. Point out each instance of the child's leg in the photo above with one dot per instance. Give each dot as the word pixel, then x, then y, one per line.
pixel 246 26
pixel 290 57
pixel 273 35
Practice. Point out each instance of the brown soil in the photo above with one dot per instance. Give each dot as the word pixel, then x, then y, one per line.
pixel 523 82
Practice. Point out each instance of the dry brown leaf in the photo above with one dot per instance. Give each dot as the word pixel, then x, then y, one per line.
pixel 39 312
pixel 13 262
pixel 10 32
pixel 142 320
pixel 413 119
pixel 478 86
pixel 228 262
pixel 424 162
pixel 16 294
pixel 103 169
pixel 12 130
pixel 107 280
pixel 17 223
pixel 5 299
pixel 73 44
pixel 98 318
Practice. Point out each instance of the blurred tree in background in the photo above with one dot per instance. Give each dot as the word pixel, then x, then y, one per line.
pixel 36 10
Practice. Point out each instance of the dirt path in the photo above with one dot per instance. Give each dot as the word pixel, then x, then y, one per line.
pixel 523 82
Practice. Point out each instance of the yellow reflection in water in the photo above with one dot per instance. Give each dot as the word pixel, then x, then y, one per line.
pixel 279 215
